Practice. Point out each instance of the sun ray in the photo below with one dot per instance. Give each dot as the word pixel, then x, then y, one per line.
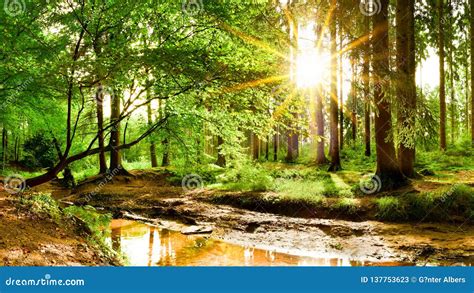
pixel 255 83
pixel 252 40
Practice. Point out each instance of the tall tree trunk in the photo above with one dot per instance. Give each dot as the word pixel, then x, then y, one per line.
pixel 275 145
pixel 334 107
pixel 442 78
pixel 220 156
pixel 4 147
pixel 406 83
pixel 255 146
pixel 353 100
pixel 472 69
pixel 154 161
pixel 267 148
pixel 320 156
pixel 366 86
pixel 341 92
pixel 451 79
pixel 115 153
pixel 388 169
pixel 99 99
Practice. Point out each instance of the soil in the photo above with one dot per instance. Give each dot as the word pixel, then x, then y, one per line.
pixel 148 196
pixel 26 240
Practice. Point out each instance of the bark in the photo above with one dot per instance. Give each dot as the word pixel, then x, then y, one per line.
pixel 115 153
pixel 353 101
pixel 366 86
pixel 334 106
pixel 442 78
pixel 220 156
pixel 275 146
pixel 472 69
pixel 451 80
pixel 166 152
pixel 153 160
pixel 267 148
pixel 100 128
pixel 320 156
pixel 406 82
pixel 51 174
pixel 255 146
pixel 387 166
pixel 4 147
pixel 341 93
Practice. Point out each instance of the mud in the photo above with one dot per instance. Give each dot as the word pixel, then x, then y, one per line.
pixel 158 201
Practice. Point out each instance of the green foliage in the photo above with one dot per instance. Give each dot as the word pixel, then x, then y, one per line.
pixel 39 152
pixel 96 222
pixel 42 205
pixel 245 176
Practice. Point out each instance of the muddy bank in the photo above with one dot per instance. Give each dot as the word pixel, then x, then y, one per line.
pixel 29 240
pixel 363 240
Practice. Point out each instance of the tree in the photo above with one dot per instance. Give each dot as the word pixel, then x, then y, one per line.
pixel 334 105
pixel 472 67
pixel 366 87
pixel 442 77
pixel 406 84
pixel 387 166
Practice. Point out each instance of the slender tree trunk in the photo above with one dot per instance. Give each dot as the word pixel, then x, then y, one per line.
pixel 115 153
pixel 275 145
pixel 406 83
pixel 154 161
pixel 341 92
pixel 387 166
pixel 451 79
pixel 99 99
pixel 353 101
pixel 267 148
pixel 334 107
pixel 472 69
pixel 220 156
pixel 442 78
pixel 4 147
pixel 320 156
pixel 366 85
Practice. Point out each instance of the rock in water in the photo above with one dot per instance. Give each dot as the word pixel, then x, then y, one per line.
pixel 196 230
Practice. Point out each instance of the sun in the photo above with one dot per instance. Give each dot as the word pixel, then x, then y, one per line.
pixel 311 69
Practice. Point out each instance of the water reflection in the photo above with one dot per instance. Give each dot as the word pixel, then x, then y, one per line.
pixel 149 246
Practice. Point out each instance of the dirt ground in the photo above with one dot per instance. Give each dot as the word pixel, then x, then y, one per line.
pixel 149 195
pixel 26 240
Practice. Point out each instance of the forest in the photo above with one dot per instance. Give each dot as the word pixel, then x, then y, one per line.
pixel 258 132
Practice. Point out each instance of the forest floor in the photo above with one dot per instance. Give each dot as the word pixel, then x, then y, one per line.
pixel 27 239
pixel 148 194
